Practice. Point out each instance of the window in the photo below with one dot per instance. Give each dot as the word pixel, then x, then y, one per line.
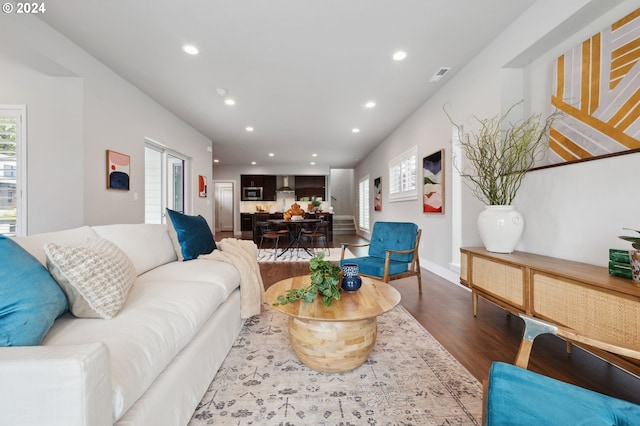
pixel 164 182
pixel 363 204
pixel 402 176
pixel 12 171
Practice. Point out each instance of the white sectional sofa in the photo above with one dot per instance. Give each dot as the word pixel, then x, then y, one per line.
pixel 151 364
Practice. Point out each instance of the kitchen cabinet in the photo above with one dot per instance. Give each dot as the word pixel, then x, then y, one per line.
pixel 252 180
pixel 311 186
pixel 266 182
pixel 246 222
pixel 269 187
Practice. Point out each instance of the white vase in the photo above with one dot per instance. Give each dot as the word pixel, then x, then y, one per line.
pixel 500 228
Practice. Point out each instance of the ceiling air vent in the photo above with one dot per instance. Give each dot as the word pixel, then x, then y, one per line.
pixel 439 74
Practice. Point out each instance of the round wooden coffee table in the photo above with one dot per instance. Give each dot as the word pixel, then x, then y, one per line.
pixel 339 337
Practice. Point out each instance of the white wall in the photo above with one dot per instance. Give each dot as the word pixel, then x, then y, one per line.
pixel 76 110
pixel 572 212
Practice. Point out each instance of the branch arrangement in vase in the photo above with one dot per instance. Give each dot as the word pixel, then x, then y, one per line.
pixel 499 154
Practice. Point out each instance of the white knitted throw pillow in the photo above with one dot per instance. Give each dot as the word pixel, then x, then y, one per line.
pixel 95 277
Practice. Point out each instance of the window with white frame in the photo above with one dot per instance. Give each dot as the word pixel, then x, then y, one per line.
pixel 402 176
pixel 363 204
pixel 13 168
pixel 164 182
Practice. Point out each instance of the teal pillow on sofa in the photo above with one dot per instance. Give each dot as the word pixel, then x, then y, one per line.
pixel 193 233
pixel 30 299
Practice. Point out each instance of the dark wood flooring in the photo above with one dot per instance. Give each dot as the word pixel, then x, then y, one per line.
pixel 444 309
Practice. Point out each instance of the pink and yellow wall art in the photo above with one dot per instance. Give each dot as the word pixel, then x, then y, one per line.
pixel 118 168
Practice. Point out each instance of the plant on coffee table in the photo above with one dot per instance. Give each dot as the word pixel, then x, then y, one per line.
pixel 325 277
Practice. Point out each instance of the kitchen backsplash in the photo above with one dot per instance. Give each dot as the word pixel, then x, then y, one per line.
pixel 281 205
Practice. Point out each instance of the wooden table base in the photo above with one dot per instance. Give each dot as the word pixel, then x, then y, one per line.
pixel 332 346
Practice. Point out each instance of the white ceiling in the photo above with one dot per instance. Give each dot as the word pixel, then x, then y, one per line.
pixel 299 70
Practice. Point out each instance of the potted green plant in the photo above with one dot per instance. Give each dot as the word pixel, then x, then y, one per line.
pixel 315 204
pixel 635 241
pixel 498 155
pixel 634 256
pixel 325 277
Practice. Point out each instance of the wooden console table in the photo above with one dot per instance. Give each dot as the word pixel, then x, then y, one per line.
pixel 576 295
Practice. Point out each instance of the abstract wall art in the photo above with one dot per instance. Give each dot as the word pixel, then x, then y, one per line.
pixel 118 169
pixel 597 88
pixel 433 183
pixel 202 186
pixel 377 194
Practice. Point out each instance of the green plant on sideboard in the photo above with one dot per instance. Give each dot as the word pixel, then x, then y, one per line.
pixel 635 241
pixel 325 277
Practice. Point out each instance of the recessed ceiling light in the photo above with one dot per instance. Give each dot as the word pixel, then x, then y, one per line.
pixel 314 155
pixel 399 55
pixel 271 154
pixel 215 160
pixel 190 49
pixel 313 163
pixel 370 105
pixel 249 129
pixel 229 101
pixel 355 130
pixel 253 163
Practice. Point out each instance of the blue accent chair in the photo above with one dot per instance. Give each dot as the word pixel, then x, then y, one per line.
pixel 393 252
pixel 514 395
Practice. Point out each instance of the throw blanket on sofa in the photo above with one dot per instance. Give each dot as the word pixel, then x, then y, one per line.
pixel 242 255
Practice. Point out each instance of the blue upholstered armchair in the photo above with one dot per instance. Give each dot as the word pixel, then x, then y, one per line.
pixel 393 252
pixel 516 396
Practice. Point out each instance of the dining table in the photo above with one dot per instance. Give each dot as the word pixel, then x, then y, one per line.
pixel 294 229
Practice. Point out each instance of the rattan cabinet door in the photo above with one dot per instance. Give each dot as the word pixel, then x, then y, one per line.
pixel 592 311
pixel 499 281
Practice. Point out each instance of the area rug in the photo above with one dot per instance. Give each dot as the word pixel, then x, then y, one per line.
pixel 300 255
pixel 409 379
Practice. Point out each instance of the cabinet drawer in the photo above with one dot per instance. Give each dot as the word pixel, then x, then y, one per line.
pixel 502 281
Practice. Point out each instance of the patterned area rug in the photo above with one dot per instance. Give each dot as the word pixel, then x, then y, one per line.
pixel 300 255
pixel 409 379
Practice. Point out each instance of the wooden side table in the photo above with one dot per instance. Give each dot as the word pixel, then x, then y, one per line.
pixel 335 338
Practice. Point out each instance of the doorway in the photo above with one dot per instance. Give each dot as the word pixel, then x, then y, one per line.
pixel 224 206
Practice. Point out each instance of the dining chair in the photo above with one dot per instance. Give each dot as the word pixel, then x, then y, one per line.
pixel 267 231
pixel 318 232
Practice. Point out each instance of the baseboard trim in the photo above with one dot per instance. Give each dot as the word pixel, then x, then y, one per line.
pixel 445 273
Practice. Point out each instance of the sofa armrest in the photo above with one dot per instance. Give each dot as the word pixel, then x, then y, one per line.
pixel 55 385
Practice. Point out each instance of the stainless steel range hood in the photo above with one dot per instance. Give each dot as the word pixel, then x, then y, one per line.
pixel 285 185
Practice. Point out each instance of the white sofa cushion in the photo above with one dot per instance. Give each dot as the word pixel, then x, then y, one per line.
pixel 147 245
pixel 34 244
pixel 95 277
pixel 159 318
pixel 201 270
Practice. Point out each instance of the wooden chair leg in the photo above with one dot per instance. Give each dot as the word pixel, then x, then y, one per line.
pixel 533 328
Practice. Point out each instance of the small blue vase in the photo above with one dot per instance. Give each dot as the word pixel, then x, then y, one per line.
pixel 351 281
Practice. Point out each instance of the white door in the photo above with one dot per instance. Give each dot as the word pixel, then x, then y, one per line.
pixel 224 206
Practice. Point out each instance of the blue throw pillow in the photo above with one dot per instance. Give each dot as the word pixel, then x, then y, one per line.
pixel 194 235
pixel 30 299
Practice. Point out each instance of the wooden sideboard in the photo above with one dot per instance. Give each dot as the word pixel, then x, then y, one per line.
pixel 576 295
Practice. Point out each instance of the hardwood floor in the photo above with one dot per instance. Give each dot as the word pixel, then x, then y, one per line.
pixel 444 309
